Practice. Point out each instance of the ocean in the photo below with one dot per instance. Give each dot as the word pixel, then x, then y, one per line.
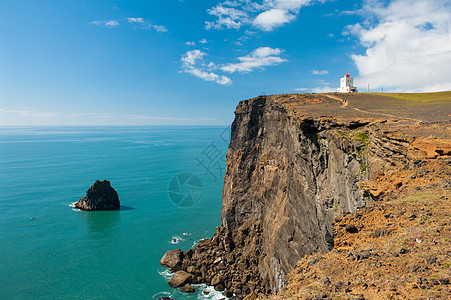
pixel 169 180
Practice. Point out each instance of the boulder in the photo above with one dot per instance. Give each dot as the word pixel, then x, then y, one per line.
pixel 172 258
pixel 228 294
pixel 180 278
pixel 218 279
pixel 351 228
pixel 100 196
pixel 188 289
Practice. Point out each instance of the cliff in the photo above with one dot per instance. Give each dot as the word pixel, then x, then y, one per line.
pixel 294 164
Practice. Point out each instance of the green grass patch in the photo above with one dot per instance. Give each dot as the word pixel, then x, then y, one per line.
pixel 364 136
pixel 423 97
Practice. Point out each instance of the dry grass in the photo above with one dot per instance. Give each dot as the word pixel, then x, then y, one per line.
pixel 420 224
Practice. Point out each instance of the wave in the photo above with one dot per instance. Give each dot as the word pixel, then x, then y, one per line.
pixel 204 291
pixel 195 242
pixel 73 206
pixel 166 274
pixel 176 239
pixel 162 295
pixel 208 292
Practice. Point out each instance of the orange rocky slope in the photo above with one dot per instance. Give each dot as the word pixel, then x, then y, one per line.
pixel 399 248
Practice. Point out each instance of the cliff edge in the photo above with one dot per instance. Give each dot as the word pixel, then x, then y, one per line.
pixel 297 162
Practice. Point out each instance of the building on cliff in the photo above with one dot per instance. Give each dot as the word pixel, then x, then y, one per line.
pixel 346 85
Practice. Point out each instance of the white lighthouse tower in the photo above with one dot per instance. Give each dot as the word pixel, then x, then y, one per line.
pixel 346 85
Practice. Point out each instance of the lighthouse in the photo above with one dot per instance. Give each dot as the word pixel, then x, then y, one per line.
pixel 346 84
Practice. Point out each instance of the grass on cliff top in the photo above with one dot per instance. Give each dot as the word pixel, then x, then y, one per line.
pixel 423 97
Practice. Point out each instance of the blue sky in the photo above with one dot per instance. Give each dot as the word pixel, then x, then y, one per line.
pixel 190 61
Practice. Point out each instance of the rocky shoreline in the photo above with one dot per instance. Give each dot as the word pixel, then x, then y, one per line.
pixel 228 262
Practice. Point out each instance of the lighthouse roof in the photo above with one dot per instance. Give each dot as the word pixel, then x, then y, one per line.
pixel 347 75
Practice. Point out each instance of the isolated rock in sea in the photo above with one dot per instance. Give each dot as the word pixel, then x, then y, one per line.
pixel 100 196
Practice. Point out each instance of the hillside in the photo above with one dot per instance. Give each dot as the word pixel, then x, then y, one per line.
pixel 400 247
pixel 300 168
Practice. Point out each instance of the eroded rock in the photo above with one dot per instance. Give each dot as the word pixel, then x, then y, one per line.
pixel 172 259
pixel 100 196
pixel 180 278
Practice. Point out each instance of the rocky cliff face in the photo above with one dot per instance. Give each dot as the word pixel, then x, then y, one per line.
pixel 295 162
pixel 291 176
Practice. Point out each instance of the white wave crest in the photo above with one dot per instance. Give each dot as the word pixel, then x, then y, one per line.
pixel 166 274
pixel 195 242
pixel 176 239
pixel 208 292
pixel 162 295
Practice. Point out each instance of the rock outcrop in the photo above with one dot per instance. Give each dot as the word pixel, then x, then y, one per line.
pixel 100 196
pixel 173 259
pixel 180 279
pixel 294 164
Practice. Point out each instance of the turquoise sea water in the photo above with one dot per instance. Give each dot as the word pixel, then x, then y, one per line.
pixel 48 249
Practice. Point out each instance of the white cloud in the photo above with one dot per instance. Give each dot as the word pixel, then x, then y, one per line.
pixel 190 58
pixel 408 45
pixel 29 113
pixel 270 19
pixel 323 89
pixel 203 41
pixel 109 24
pixel 193 63
pixel 265 15
pixel 147 117
pixel 190 43
pixel 146 25
pixel 320 72
pixel 160 28
pixel 135 20
pixel 258 59
pixel 228 17
pixel 95 115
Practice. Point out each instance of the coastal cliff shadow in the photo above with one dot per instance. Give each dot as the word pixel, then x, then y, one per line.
pixel 123 207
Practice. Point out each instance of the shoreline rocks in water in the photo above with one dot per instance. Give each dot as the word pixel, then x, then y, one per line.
pixel 100 196
pixel 221 263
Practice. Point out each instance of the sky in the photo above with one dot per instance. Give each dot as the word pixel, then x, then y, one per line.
pixel 189 62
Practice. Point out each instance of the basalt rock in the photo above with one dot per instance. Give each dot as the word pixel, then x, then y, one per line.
pixel 100 196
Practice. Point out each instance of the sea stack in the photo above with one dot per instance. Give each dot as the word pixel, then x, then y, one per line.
pixel 100 196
